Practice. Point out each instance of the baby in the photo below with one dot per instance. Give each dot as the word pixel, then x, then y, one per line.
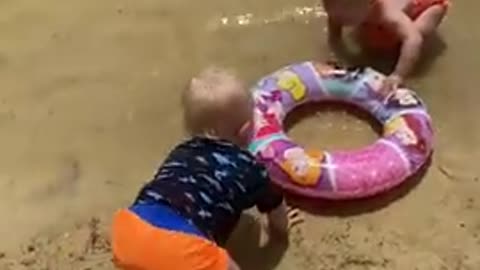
pixel 387 24
pixel 182 218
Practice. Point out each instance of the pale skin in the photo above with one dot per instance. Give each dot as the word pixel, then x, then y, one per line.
pixel 278 226
pixel 412 33
pixel 278 219
pixel 229 116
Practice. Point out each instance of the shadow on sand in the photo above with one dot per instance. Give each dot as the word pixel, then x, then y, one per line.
pixel 244 246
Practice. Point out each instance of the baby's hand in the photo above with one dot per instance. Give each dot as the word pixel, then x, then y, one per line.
pixel 294 216
pixel 391 83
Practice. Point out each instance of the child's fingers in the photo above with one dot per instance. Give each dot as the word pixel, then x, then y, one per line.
pixel 292 212
pixel 294 216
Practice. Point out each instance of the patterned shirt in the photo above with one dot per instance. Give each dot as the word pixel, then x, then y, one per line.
pixel 210 183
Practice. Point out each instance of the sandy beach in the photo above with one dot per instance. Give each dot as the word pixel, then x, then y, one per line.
pixel 89 106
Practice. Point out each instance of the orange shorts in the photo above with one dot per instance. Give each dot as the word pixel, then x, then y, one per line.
pixel 417 7
pixel 377 37
pixel 137 245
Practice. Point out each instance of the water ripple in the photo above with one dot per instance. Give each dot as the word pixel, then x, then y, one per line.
pixel 303 14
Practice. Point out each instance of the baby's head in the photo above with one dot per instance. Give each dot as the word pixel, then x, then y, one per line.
pixel 216 103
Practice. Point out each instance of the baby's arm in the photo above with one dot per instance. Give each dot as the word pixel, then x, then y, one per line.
pixel 334 31
pixel 272 204
pixel 334 27
pixel 412 39
pixel 278 222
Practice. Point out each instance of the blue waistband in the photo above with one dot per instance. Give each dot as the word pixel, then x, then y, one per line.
pixel 164 217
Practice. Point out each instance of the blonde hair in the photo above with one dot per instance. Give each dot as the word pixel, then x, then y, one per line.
pixel 216 103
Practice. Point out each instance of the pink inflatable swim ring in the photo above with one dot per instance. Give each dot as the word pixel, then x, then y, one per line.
pixel 404 148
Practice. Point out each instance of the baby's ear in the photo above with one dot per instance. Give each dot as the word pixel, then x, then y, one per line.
pixel 246 127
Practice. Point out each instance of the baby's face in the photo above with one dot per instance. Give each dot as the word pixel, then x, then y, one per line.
pixel 348 12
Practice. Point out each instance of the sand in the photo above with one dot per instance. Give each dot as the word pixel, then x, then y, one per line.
pixel 89 107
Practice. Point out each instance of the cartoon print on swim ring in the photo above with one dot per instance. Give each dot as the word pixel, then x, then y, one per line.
pixel 268 112
pixel 291 82
pixel 267 124
pixel 405 146
pixel 405 128
pixel 400 129
pixel 341 83
pixel 374 80
pixel 405 98
pixel 303 168
pixel 334 71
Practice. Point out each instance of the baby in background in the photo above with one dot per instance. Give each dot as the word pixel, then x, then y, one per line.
pixel 182 218
pixel 383 25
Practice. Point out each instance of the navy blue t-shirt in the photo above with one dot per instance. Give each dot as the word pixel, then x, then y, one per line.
pixel 210 183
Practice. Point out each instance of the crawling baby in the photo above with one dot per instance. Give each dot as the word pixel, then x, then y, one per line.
pixel 383 25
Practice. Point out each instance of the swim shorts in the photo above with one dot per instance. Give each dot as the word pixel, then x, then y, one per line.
pixel 377 37
pixel 417 7
pixel 154 237
pixel 210 182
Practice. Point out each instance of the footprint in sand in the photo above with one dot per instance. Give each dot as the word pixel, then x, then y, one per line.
pixel 65 180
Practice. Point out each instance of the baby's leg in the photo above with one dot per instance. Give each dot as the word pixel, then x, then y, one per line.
pixel 232 265
pixel 429 20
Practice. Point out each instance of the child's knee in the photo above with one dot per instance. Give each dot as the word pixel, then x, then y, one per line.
pixel 437 12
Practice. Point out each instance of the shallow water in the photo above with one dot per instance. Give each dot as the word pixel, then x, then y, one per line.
pixel 89 106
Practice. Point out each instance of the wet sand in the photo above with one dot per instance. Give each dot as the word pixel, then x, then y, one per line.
pixel 89 107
